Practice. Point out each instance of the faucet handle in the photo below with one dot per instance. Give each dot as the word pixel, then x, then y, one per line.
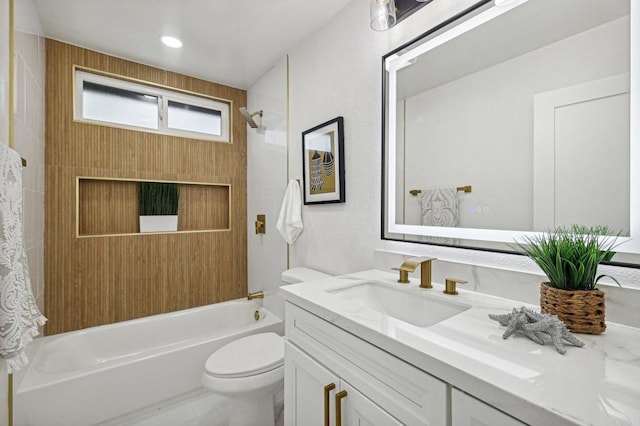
pixel 404 275
pixel 450 285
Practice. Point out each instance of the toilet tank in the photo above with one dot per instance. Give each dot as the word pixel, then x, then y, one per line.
pixel 301 274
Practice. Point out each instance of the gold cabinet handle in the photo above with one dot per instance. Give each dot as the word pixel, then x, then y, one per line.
pixel 339 396
pixel 327 391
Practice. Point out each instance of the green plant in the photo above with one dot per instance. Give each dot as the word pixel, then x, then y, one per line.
pixel 569 256
pixel 158 198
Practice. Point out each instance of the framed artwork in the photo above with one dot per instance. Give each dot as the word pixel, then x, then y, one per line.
pixel 323 163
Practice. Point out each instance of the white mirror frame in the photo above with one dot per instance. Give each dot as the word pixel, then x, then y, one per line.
pixel 395 62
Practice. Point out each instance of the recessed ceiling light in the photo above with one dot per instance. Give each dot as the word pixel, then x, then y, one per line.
pixel 171 41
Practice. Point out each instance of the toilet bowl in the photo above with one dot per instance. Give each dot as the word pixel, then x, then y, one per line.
pixel 249 370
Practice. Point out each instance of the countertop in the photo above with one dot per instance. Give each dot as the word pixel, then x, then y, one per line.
pixel 598 384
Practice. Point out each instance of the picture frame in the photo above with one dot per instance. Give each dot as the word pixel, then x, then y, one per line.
pixel 323 163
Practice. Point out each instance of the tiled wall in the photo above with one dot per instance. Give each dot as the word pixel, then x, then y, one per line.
pixel 29 142
pixel 266 184
pixel 4 72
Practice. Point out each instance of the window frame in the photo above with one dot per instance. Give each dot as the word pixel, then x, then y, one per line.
pixel 164 95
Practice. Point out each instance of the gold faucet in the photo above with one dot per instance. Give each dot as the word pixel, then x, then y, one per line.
pixel 256 295
pixel 410 265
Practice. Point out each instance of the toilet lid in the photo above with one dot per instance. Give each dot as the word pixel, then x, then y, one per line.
pixel 247 356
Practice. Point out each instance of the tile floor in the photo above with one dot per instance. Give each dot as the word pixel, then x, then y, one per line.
pixel 198 408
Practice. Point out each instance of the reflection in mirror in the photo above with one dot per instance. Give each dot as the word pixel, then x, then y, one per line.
pixel 528 104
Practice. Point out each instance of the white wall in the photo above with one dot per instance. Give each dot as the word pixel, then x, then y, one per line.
pixel 336 72
pixel 4 72
pixel 266 183
pixel 29 122
pixel 29 134
pixel 4 139
pixel 455 138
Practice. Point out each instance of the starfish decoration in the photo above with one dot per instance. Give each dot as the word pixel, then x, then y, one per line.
pixel 515 321
pixel 532 324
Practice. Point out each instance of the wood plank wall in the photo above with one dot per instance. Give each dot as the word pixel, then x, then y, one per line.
pixel 100 280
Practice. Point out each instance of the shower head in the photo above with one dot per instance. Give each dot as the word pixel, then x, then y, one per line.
pixel 249 117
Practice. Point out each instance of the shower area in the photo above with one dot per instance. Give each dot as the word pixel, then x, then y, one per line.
pixel 99 268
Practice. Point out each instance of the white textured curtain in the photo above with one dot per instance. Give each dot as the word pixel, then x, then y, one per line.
pixel 19 314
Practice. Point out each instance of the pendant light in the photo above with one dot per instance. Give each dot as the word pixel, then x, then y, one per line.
pixel 383 14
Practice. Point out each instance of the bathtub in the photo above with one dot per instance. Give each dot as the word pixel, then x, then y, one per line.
pixel 94 375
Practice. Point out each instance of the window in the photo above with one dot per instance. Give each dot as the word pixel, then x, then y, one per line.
pixel 107 100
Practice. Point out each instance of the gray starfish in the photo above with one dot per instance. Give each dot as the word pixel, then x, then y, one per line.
pixel 515 322
pixel 556 329
pixel 532 324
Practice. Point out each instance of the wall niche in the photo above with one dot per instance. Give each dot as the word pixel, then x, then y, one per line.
pixel 110 207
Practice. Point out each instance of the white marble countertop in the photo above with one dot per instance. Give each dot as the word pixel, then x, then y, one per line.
pixel 598 384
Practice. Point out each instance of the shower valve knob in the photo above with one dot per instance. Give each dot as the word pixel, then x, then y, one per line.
pixel 261 227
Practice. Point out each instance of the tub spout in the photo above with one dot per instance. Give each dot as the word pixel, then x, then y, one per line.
pixel 256 295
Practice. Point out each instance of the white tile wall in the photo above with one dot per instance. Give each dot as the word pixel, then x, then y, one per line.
pixel 29 109
pixel 4 72
pixel 266 183
pixel 29 142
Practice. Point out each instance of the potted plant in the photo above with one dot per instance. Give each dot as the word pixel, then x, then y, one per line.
pixel 158 206
pixel 569 257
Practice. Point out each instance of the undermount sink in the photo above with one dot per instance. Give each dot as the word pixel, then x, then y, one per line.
pixel 410 305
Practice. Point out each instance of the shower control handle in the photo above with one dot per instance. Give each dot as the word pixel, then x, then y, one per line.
pixel 261 227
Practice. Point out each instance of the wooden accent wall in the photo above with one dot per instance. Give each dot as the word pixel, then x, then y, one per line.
pixel 99 280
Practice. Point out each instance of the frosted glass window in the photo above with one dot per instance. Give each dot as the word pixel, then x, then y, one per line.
pixel 193 118
pixel 119 106
pixel 104 100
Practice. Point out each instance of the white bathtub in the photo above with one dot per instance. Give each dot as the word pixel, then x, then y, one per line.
pixel 93 375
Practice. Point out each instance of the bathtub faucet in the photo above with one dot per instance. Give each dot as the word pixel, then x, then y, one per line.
pixel 256 295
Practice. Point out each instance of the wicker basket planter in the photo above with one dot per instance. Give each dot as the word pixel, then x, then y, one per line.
pixel 582 311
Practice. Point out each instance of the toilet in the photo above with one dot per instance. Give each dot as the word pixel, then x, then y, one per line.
pixel 250 370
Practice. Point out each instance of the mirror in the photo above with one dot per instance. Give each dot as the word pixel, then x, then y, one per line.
pixel 511 120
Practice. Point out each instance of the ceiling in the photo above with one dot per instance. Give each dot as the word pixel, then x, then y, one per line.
pixel 232 42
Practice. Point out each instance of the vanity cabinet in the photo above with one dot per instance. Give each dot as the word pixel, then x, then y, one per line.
pixel 313 395
pixel 380 388
pixel 468 411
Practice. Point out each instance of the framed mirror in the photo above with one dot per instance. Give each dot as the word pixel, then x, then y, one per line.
pixel 513 118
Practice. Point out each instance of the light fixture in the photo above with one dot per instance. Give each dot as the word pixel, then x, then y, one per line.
pixel 383 14
pixel 171 41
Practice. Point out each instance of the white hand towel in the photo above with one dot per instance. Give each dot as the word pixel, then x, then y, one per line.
pixel 19 314
pixel 290 220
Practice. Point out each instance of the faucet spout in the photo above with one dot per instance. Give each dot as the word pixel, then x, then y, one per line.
pixel 411 264
pixel 256 295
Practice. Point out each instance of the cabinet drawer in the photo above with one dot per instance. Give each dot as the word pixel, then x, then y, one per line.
pixel 407 393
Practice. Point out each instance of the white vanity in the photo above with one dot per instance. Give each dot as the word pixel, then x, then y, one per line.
pixel 364 349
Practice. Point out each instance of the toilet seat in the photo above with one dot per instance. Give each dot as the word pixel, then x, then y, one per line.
pixel 248 356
